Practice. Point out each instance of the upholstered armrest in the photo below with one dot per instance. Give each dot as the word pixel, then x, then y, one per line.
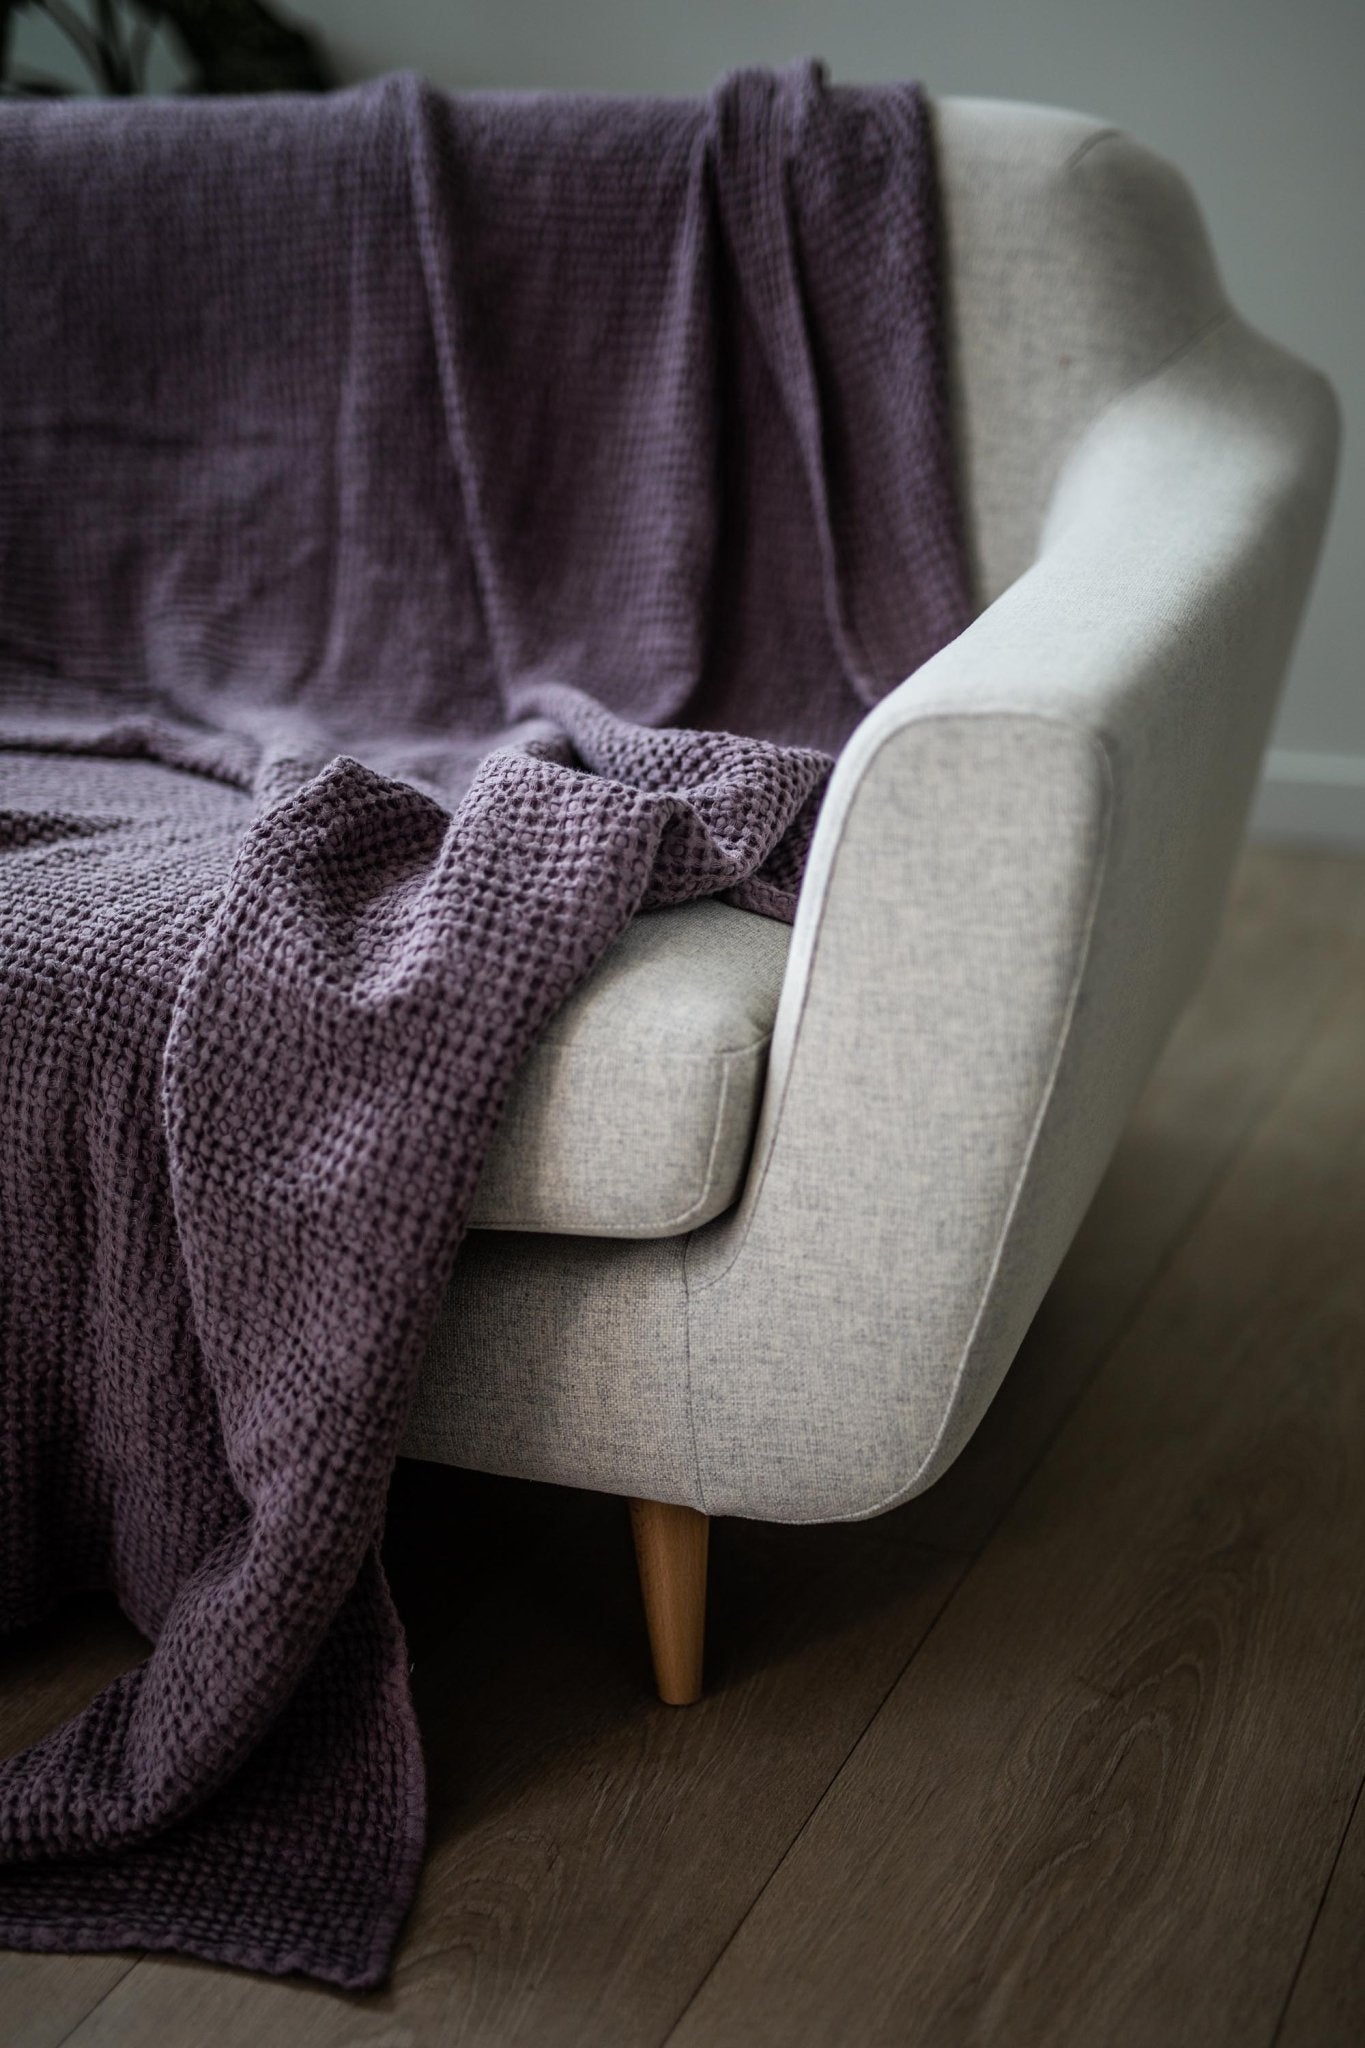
pixel 1016 877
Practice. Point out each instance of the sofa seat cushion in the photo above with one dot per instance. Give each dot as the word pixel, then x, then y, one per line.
pixel 635 1113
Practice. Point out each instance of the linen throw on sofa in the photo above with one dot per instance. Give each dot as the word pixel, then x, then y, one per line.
pixel 432 529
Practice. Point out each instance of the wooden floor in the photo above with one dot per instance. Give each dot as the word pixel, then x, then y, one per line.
pixel 1069 1751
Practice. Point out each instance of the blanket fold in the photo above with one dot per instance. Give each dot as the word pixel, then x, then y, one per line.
pixel 432 530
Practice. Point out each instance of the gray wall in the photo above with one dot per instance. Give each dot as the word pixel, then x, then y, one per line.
pixel 1258 101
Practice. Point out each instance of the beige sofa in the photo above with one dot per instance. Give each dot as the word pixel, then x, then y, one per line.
pixel 771 1211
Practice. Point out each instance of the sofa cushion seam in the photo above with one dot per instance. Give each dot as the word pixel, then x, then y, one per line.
pixel 679 1224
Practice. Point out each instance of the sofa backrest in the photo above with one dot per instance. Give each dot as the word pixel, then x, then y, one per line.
pixel 1077 263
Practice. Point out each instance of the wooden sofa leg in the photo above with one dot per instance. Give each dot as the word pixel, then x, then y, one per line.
pixel 670 1549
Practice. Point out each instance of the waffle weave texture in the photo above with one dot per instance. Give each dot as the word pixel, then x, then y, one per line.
pixel 431 530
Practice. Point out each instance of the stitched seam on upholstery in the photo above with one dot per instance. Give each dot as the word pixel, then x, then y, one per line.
pixel 1089 142
pixel 720 1052
pixel 1101 751
pixel 708 1180
pixel 671 1225
pixel 1227 312
pixel 689 1389
pixel 1225 316
pixel 911 725
pixel 1064 1037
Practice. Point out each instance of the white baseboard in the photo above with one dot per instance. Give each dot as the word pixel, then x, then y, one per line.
pixel 1318 799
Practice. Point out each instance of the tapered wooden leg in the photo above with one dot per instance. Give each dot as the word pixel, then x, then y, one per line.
pixel 670 1549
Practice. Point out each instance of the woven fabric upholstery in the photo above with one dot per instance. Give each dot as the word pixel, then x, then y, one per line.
pixel 1077 265
pixel 634 1115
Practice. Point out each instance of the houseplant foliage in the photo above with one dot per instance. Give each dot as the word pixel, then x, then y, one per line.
pixel 222 46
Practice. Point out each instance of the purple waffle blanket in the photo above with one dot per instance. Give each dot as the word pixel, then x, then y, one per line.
pixel 431 530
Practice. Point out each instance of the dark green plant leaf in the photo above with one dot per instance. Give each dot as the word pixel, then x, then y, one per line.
pixel 8 10
pixel 243 46
pixel 230 46
pixel 32 85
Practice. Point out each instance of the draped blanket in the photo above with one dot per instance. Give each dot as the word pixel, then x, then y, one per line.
pixel 431 530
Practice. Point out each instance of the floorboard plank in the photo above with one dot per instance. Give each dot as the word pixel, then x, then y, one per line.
pixel 44 1998
pixel 47 1674
pixel 1101 1805
pixel 51 1671
pixel 1326 2008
